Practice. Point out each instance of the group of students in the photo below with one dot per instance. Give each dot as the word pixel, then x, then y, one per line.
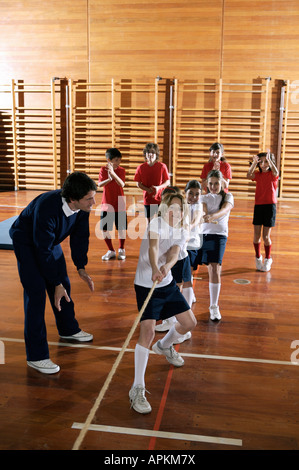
pixel 185 229
pixel 178 240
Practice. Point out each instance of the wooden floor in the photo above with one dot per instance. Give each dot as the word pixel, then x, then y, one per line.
pixel 238 389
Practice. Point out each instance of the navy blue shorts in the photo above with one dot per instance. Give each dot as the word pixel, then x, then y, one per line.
pixel 181 271
pixel 195 258
pixel 108 219
pixel 264 214
pixel 164 303
pixel 213 249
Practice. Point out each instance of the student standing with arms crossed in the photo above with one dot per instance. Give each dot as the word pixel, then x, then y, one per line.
pixel 265 205
pixel 152 177
pixel 113 206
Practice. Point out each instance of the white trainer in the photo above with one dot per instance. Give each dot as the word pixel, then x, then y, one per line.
pixel 259 263
pixel 46 366
pixel 214 312
pixel 138 401
pixel 166 324
pixel 80 336
pixel 171 354
pixel 121 253
pixel 183 338
pixel 267 264
pixel 109 255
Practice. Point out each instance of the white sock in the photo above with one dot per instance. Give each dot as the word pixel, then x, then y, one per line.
pixel 188 294
pixel 140 357
pixel 214 293
pixel 170 338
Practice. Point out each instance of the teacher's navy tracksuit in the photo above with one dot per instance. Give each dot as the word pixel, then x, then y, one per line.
pixel 36 235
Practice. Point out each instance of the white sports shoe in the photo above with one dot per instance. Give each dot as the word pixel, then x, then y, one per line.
pixel 110 254
pixel 166 324
pixel 138 401
pixel 46 366
pixel 80 336
pixel 121 253
pixel 183 338
pixel 171 354
pixel 267 264
pixel 214 312
pixel 259 263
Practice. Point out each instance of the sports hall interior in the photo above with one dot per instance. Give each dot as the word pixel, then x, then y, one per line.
pixel 78 77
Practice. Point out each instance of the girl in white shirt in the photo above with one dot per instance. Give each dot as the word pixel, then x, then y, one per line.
pixel 217 206
pixel 159 251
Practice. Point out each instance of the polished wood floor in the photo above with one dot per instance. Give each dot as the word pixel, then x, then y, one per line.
pixel 238 389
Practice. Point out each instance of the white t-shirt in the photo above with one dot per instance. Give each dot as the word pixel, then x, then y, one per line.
pixel 195 240
pixel 213 202
pixel 168 237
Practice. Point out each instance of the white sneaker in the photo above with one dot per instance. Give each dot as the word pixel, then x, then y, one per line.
pixel 171 354
pixel 214 312
pixel 267 264
pixel 138 401
pixel 121 253
pixel 183 338
pixel 166 324
pixel 81 336
pixel 259 263
pixel 46 366
pixel 110 254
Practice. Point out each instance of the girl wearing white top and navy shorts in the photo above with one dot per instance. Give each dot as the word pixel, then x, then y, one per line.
pixel 217 206
pixel 164 238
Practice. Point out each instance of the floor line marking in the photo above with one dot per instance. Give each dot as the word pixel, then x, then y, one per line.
pixel 161 434
pixel 196 356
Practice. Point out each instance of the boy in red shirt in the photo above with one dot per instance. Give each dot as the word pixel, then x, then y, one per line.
pixel 265 205
pixel 152 177
pixel 113 206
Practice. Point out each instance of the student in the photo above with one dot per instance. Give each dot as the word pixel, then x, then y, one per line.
pixel 181 273
pixel 113 207
pixel 152 177
pixel 36 235
pixel 217 161
pixel 216 206
pixel 265 205
pixel 193 193
pixel 159 251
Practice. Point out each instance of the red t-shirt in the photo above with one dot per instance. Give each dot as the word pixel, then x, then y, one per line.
pixel 266 186
pixel 152 176
pixel 113 193
pixel 225 169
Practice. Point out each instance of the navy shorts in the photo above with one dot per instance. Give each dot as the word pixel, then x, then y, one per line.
pixel 213 249
pixel 195 258
pixel 181 271
pixel 164 302
pixel 110 218
pixel 264 214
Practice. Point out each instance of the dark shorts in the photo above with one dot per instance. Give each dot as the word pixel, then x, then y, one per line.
pixel 264 214
pixel 108 219
pixel 181 271
pixel 195 258
pixel 213 249
pixel 150 210
pixel 164 303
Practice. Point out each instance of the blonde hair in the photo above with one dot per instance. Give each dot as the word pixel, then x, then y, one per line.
pixel 166 203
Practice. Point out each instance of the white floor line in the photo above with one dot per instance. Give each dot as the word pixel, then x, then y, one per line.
pixel 161 434
pixel 196 356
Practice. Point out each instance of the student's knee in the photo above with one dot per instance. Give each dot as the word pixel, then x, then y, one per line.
pixel 147 333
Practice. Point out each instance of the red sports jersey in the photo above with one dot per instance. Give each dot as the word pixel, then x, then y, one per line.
pixel 266 186
pixel 225 169
pixel 152 176
pixel 113 193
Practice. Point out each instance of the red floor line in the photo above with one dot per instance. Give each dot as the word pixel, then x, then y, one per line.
pixel 152 442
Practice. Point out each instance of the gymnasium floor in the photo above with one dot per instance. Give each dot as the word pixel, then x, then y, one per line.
pixel 238 389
